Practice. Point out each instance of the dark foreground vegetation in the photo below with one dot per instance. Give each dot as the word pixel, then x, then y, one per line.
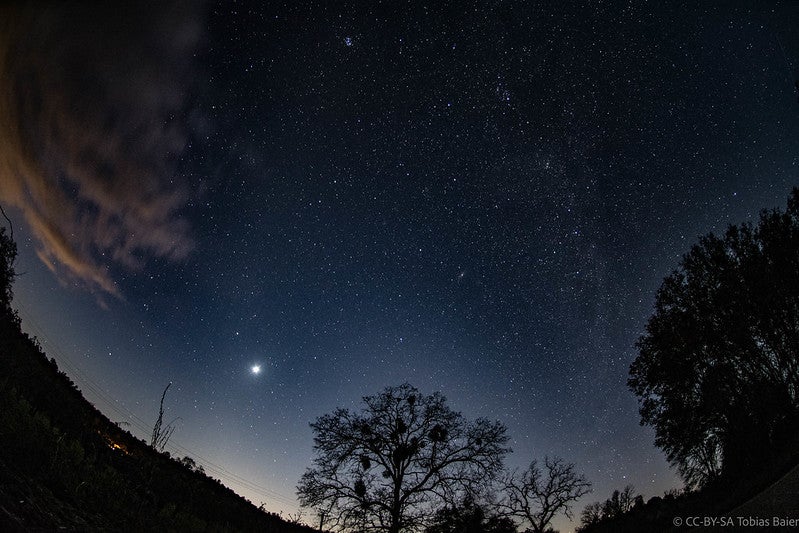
pixel 65 466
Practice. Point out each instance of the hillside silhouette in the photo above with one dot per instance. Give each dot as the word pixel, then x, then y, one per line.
pixel 65 466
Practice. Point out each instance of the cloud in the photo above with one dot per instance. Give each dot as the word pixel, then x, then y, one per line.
pixel 94 110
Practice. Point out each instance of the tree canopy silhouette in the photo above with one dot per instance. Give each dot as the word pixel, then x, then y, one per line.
pixel 390 466
pixel 619 503
pixel 717 374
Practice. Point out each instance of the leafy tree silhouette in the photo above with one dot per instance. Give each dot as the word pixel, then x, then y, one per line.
pixel 717 374
pixel 390 466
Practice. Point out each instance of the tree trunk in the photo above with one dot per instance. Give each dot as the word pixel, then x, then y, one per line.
pixel 395 510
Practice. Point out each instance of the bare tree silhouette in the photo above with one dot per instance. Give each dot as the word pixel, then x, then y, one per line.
pixel 537 495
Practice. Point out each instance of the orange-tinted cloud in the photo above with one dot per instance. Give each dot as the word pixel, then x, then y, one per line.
pixel 93 107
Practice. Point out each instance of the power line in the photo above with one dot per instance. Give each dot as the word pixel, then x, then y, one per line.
pixel 86 382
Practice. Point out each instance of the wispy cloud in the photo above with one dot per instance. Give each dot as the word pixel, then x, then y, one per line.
pixel 93 119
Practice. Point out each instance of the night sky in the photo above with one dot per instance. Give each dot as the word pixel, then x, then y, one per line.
pixel 479 198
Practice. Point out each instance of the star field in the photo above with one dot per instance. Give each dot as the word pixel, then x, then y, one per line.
pixel 480 198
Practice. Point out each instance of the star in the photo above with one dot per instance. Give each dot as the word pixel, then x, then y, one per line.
pixel 255 369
